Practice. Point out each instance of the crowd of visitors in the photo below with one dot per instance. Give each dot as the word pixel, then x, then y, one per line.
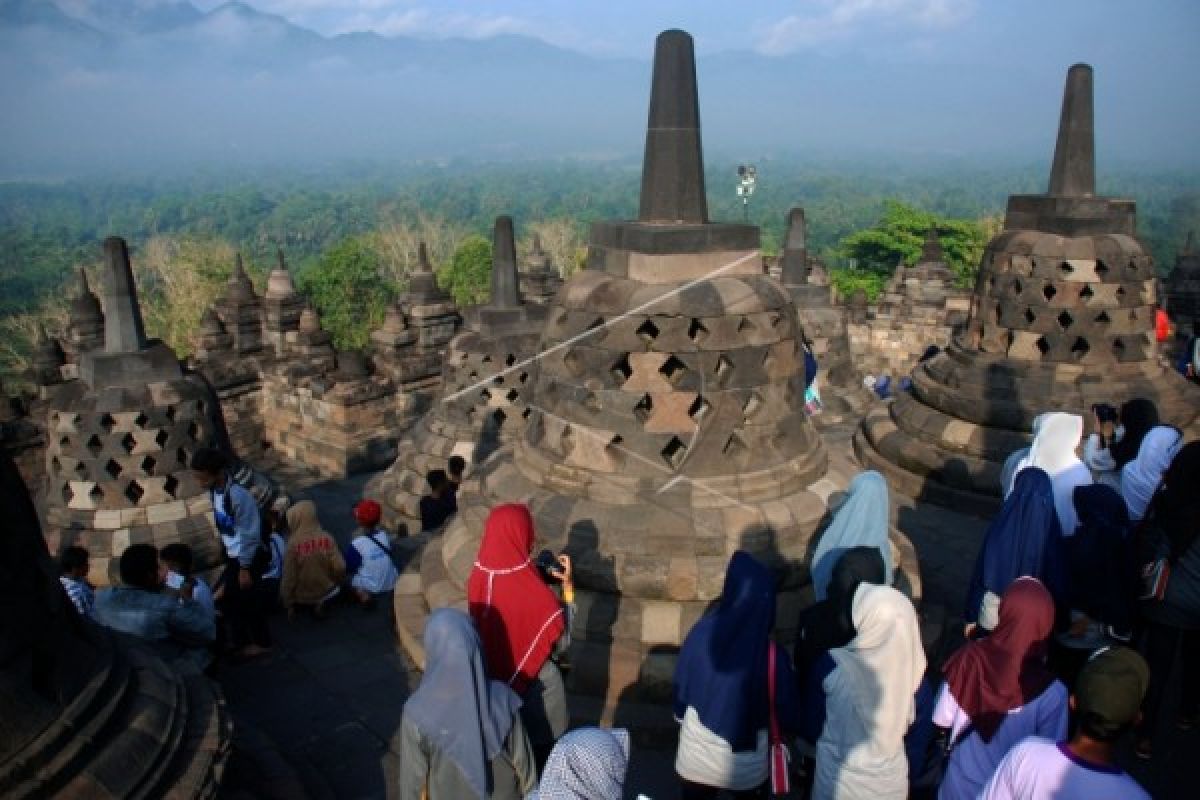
pixel 1087 559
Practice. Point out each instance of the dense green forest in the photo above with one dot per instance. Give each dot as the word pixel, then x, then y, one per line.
pixel 316 217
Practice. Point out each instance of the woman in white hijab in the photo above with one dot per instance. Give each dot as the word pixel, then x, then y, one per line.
pixel 1141 477
pixel 1056 438
pixel 869 701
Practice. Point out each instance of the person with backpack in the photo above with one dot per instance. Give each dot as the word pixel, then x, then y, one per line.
pixel 369 558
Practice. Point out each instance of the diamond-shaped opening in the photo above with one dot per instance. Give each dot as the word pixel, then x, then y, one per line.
pixel 193 430
pixel 699 409
pixel 462 358
pixel 141 419
pixel 647 331
pixel 999 312
pixel 697 332
pixel 134 492
pixel 1080 348
pixel 621 369
pixel 1065 268
pixel 512 395
pixel 55 464
pixel 1086 293
pixel 171 413
pixel 1043 345
pixel 1120 292
pixel 486 359
pixel 509 360
pixel 526 412
pixel 171 485
pixel 148 464
pixel 64 441
pixel 1030 317
pixel 1102 318
pixel 113 469
pixel 1065 319
pixel 96 494
pixel 745 326
pixel 181 455
pixel 734 447
pixel 1101 268
pixel 94 445
pixel 596 324
pixel 674 452
pixel 499 416
pixel 498 380
pixel 472 375
pixel 107 422
pixel 1018 287
pixel 128 443
pixel 566 441
pixel 1118 347
pixel 1048 292
pixel 643 408
pixel 724 370
pixel 81 470
pixel 753 403
pixel 673 369
pixel 161 437
pixel 67 494
pixel 485 395
pixel 524 376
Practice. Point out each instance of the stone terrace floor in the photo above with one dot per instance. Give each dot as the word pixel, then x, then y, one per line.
pixel 318 717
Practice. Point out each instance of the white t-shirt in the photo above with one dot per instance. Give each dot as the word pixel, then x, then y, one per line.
pixel 704 757
pixel 1039 769
pixel 377 572
pixel 973 760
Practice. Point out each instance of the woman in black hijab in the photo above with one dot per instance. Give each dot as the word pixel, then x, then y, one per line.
pixel 826 624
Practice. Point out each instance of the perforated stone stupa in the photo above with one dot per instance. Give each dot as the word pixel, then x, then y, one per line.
pixel 1062 317
pixel 120 438
pixel 824 325
pixel 667 427
pixel 1183 290
pixel 485 377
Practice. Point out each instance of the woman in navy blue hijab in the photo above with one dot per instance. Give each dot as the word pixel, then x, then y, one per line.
pixel 1025 539
pixel 721 687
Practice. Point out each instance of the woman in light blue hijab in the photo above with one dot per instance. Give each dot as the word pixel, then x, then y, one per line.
pixel 861 521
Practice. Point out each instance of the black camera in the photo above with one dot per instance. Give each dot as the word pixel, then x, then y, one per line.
pixel 547 564
pixel 1104 412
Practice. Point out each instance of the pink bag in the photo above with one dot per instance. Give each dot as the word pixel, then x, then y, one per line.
pixel 778 752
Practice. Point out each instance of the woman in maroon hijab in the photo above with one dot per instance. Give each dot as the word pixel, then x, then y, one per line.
pixel 998 690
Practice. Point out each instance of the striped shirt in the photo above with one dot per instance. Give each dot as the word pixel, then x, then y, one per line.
pixel 81 593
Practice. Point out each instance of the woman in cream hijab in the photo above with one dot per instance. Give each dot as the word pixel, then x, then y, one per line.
pixel 869 701
pixel 1056 438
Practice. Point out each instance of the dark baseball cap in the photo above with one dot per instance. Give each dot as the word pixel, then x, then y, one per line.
pixel 1111 686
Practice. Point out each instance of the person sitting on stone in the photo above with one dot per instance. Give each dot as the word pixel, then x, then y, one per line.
pixel 177 557
pixel 73 572
pixel 586 764
pixel 1105 702
pixel 998 690
pixel 178 628
pixel 369 560
pixel 869 688
pixel 1025 539
pixel 274 529
pixel 522 623
pixel 461 734
pixel 439 505
pixel 456 466
pixel 313 568
pixel 721 695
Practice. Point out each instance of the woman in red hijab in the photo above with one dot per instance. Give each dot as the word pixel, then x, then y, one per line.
pixel 998 690
pixel 521 621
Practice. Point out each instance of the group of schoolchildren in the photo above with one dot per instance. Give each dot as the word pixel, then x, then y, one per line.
pixel 277 558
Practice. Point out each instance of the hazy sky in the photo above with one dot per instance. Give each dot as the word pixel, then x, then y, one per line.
pixel 933 29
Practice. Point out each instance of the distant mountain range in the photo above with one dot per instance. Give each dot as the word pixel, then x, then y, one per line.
pixel 147 84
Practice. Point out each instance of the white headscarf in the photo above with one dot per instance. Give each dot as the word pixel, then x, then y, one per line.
pixel 1141 477
pixel 1056 438
pixel 869 699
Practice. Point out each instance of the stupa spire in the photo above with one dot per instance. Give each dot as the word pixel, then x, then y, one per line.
pixel 673 167
pixel 795 249
pixel 124 331
pixel 1074 171
pixel 506 293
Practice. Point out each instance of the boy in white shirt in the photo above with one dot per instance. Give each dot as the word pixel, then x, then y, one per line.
pixel 1107 701
pixel 369 557
pixel 178 559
